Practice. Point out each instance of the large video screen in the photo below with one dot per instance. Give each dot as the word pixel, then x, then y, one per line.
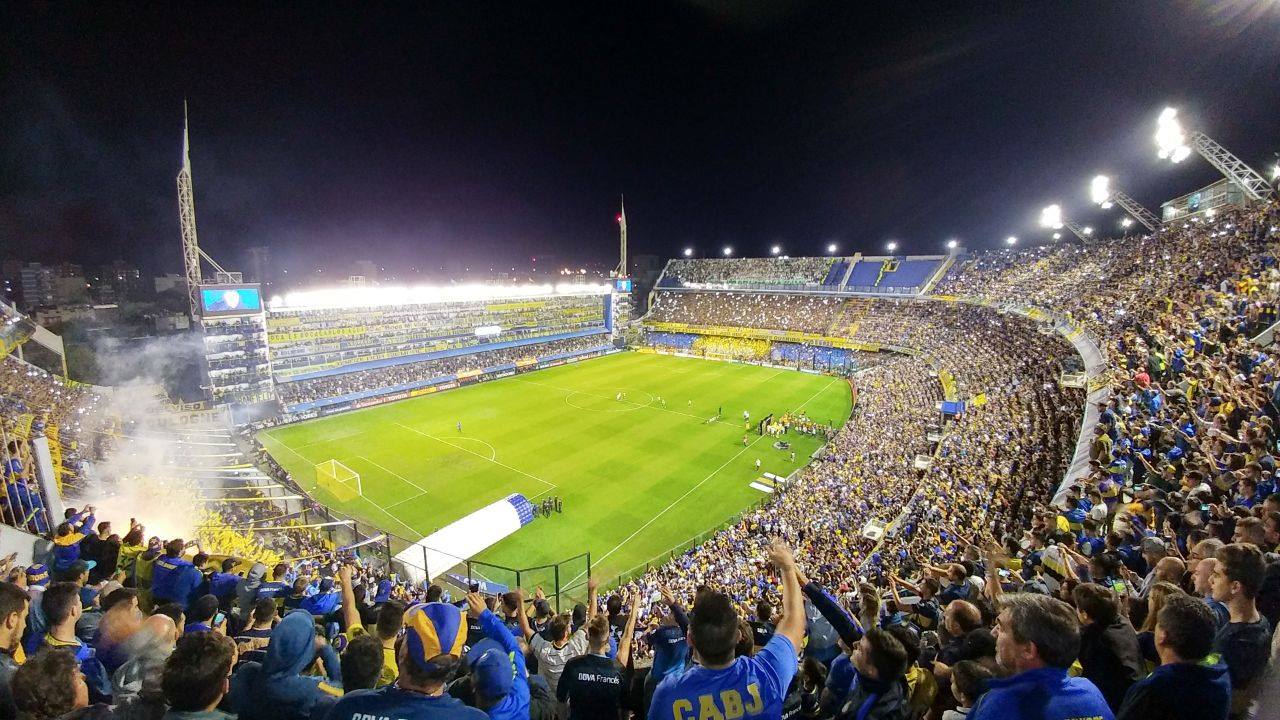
pixel 230 300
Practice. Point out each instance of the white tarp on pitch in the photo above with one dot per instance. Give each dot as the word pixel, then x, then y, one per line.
pixel 439 552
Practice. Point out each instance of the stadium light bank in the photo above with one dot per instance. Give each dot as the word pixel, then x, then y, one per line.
pixel 1051 218
pixel 1105 196
pixel 423 295
pixel 1174 144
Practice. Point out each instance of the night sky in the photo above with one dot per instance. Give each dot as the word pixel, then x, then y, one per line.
pixel 489 132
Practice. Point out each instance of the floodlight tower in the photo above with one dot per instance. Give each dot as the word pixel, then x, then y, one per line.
pixel 187 219
pixel 191 252
pixel 1105 196
pixel 1051 217
pixel 622 237
pixel 1172 143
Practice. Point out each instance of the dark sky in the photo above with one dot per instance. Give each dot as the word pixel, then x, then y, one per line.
pixel 487 132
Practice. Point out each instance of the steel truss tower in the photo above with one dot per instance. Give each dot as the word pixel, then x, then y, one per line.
pixel 622 239
pixel 1235 169
pixel 187 219
pixel 1135 208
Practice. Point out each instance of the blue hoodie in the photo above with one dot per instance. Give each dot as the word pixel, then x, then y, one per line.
pixel 1181 691
pixel 1043 694
pixel 276 689
pixel 514 705
pixel 175 580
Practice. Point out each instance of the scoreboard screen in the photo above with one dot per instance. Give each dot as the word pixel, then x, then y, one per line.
pixel 230 300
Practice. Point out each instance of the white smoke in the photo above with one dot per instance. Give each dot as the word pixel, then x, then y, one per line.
pixel 140 466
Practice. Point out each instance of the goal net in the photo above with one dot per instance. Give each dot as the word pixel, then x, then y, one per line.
pixel 338 480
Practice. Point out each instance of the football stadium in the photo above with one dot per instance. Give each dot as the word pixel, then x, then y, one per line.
pixel 1031 478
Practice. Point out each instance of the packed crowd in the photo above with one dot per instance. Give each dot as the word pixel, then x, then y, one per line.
pixel 731 347
pixel 34 402
pixel 769 271
pixel 1148 589
pixel 387 378
pixel 307 340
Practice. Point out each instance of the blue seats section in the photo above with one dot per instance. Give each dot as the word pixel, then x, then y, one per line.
pixel 836 274
pixel 680 341
pixel 811 356
pixel 864 273
pixel 910 273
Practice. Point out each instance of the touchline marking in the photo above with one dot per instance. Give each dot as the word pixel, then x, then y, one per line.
pixel 677 500
pixel 820 391
pixel 393 472
pixel 695 487
pixel 482 457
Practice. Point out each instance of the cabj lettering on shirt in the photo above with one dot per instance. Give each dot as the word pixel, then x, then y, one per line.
pixel 730 706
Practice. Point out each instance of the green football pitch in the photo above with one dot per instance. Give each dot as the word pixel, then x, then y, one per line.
pixel 638 477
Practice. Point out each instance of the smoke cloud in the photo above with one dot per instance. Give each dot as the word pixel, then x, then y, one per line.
pixel 140 463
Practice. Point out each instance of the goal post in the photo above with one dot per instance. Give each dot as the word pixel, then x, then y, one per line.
pixel 338 480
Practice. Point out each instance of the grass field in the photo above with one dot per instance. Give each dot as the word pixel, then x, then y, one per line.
pixel 637 478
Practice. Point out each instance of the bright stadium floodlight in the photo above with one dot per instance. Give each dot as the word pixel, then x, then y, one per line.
pixel 1011 240
pixel 688 252
pixel 952 244
pixel 775 250
pixel 1171 140
pixel 891 245
pixel 1086 230
pixel 1103 195
pixel 1126 222
pixel 831 248
pixel 1051 217
pixel 1173 143
pixel 727 251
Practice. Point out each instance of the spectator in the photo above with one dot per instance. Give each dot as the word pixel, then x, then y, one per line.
pixel 253 640
pixel 61 604
pixel 736 686
pixel 196 676
pixel 499 677
pixel 968 682
pixel 137 684
pixel 14 603
pixel 281 687
pixel 173 578
pixel 591 684
pixel 1244 643
pixel 361 663
pixel 49 686
pixel 565 643
pixel 1037 640
pixel 1109 654
pixel 1184 686
pixel 202 615
pixel 879 688
pixel 427 656
pixel 390 620
pixel 121 618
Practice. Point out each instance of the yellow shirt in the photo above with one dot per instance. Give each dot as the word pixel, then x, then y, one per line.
pixel 389 669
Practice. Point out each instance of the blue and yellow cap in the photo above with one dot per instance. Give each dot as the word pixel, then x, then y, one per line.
pixel 432 630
